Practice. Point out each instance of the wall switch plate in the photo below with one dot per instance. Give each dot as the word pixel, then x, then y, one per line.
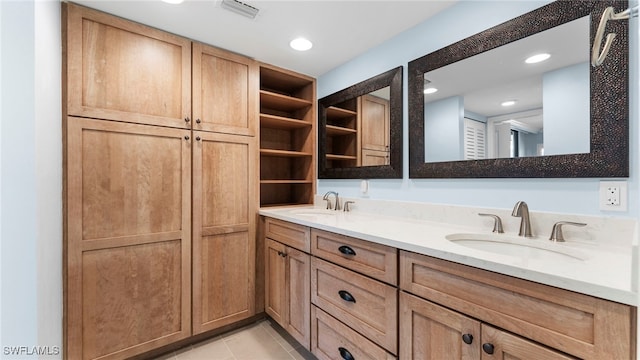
pixel 613 196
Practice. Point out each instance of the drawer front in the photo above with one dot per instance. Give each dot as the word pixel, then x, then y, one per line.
pixel 371 259
pixel 294 235
pixel 331 339
pixel 574 323
pixel 368 306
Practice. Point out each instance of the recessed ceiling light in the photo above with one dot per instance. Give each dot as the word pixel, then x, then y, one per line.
pixel 175 2
pixel 430 90
pixel 537 58
pixel 301 44
pixel 509 103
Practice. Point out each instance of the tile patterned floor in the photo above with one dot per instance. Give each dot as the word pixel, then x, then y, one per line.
pixel 260 341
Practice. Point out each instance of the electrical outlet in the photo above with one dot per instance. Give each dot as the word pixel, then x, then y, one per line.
pixel 613 195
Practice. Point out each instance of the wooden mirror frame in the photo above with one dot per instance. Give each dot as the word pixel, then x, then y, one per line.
pixel 392 78
pixel 609 109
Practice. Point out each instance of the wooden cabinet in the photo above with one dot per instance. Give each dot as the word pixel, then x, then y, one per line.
pixel 575 324
pixel 225 97
pixel 373 115
pixel 366 305
pixel 287 137
pixel 331 339
pixel 224 208
pixel 429 331
pixel 371 259
pixel 150 256
pixel 127 238
pixel 119 70
pixel 287 279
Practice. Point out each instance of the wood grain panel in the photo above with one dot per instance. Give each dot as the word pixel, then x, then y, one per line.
pixel 224 207
pixel 131 182
pixel 374 311
pixel 374 119
pixel 275 282
pixel 225 91
pixel 131 295
pixel 432 332
pixel 510 347
pixel 329 335
pixel 113 68
pixel 299 296
pixel 111 273
pixel 290 234
pixel 371 259
pixel 581 325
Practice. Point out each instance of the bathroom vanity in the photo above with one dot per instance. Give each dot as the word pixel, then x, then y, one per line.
pixel 367 285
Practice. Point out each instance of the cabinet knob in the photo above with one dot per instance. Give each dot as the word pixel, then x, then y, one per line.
pixel 198 121
pixel 346 250
pixel 187 119
pixel 186 137
pixel 346 355
pixel 282 254
pixel 198 138
pixel 344 295
pixel 488 348
pixel 467 338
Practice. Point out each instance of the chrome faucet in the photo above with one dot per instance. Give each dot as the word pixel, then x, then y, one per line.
pixel 326 197
pixel 522 210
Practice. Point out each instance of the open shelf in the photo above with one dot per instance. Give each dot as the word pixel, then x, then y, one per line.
pixel 287 137
pixel 338 130
pixel 341 157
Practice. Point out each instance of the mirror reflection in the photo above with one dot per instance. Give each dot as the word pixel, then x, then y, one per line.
pixel 358 131
pixel 505 103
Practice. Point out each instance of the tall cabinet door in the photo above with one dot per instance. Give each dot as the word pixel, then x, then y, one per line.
pixel 275 281
pixel 120 70
pixel 224 210
pixel 431 332
pixel 225 91
pixel 298 313
pixel 127 238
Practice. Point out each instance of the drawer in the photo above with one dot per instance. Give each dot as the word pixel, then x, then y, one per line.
pixel 294 235
pixel 366 305
pixel 577 324
pixel 331 339
pixel 371 259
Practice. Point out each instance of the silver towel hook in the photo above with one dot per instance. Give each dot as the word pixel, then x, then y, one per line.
pixel 597 57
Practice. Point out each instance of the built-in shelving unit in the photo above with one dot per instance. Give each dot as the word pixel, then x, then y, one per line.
pixel 287 137
pixel 342 134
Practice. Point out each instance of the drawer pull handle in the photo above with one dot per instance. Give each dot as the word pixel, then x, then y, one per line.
pixel 346 296
pixel 488 348
pixel 467 338
pixel 346 355
pixel 346 250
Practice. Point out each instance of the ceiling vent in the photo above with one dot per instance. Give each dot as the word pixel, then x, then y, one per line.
pixel 241 8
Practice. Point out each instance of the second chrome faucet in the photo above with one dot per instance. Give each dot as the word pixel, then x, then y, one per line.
pixel 521 210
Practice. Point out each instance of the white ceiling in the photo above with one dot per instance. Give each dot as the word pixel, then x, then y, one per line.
pixel 339 30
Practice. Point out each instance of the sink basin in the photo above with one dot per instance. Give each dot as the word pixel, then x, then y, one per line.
pixel 538 249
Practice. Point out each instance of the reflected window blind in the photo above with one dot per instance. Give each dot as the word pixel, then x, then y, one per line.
pixel 474 140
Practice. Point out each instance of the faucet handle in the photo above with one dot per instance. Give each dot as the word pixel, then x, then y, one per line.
pixel 329 206
pixel 556 231
pixel 347 206
pixel 497 223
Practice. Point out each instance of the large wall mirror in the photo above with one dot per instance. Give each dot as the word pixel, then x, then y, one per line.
pixel 360 130
pixel 522 100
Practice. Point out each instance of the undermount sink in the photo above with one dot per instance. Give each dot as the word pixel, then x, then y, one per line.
pixel 538 249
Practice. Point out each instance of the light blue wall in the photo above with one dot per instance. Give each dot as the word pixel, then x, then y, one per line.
pixel 579 196
pixel 31 173
pixel 444 123
pixel 566 110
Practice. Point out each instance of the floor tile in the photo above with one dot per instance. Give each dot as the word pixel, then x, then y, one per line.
pixel 215 349
pixel 256 343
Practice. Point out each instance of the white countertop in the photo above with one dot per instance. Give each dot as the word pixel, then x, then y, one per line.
pixel 604 271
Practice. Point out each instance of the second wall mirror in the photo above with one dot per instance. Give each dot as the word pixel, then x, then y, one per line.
pixel 498 114
pixel 360 130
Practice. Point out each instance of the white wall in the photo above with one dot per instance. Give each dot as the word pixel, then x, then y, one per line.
pixel 579 196
pixel 31 172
